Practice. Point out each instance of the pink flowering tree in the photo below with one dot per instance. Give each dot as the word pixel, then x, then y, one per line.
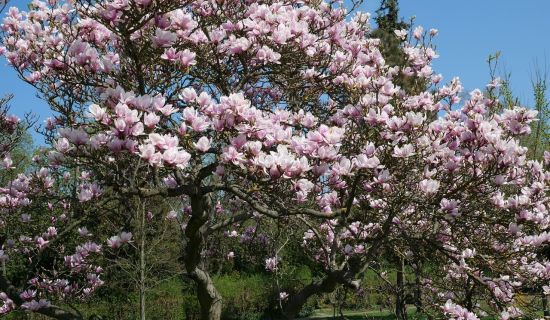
pixel 181 103
pixel 290 108
pixel 12 132
pixel 464 201
pixel 39 258
pixel 44 254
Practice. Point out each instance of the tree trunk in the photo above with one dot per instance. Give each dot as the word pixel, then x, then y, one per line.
pixel 142 268
pixel 209 298
pixel 469 301
pixel 400 303
pixel 545 306
pixel 58 313
pixel 418 287
pixel 297 301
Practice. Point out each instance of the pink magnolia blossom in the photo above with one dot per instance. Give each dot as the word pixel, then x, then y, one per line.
pixel 203 145
pixel 429 186
pixel 271 264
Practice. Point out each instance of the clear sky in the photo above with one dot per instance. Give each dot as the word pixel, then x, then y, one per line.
pixel 468 32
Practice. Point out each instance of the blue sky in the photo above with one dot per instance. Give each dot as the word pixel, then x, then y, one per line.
pixel 468 32
pixel 471 30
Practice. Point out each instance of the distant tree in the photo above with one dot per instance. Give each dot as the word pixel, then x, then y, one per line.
pixel 539 140
pixel 21 152
pixel 153 255
pixel 387 21
pixel 500 90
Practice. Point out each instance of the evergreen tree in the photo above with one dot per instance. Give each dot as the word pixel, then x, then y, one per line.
pixel 388 20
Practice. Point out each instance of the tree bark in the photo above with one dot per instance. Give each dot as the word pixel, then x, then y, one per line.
pixel 545 309
pixel 58 313
pixel 418 287
pixel 297 301
pixel 469 302
pixel 400 303
pixel 142 268
pixel 210 299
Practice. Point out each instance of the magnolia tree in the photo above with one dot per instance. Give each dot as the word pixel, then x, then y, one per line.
pixel 11 133
pixel 32 216
pixel 47 253
pixel 288 108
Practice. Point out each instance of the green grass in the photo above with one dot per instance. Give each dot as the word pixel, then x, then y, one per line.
pixel 327 313
pixel 245 298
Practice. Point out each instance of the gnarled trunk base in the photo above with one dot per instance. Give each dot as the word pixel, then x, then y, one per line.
pixel 297 301
pixel 210 299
